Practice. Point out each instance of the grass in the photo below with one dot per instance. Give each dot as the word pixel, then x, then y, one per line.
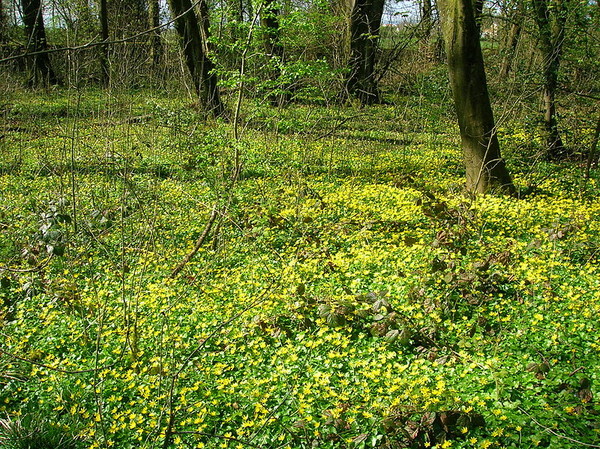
pixel 352 295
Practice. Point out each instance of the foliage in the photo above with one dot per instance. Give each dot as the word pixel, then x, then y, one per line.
pixel 351 296
pixel 30 434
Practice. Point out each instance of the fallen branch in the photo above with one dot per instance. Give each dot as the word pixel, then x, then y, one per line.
pixel 199 243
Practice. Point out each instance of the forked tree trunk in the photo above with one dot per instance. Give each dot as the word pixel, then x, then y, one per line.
pixel 551 24
pixel 484 166
pixel 104 63
pixel 42 72
pixel 365 22
pixel 274 50
pixel 193 41
pixel 154 23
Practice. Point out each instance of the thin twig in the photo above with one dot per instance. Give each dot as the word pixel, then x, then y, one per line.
pixel 93 42
pixel 169 432
pixel 35 269
pixel 212 435
pixel 59 370
pixel 556 434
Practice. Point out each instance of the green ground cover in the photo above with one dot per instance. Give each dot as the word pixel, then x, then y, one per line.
pixel 352 295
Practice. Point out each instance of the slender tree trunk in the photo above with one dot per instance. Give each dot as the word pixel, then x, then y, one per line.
pixel 274 49
pixel 204 23
pixel 193 35
pixel 104 50
pixel 592 152
pixel 478 11
pixel 427 17
pixel 512 40
pixel 551 25
pixel 154 22
pixel 3 30
pixel 484 165
pixel 42 72
pixel 364 39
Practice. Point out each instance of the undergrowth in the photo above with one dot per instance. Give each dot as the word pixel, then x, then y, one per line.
pixel 351 295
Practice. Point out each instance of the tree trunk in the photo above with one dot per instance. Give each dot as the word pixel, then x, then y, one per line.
pixel 3 30
pixel 478 11
pixel 33 18
pixel 191 32
pixel 104 63
pixel 484 166
pixel 274 50
pixel 551 25
pixel 512 40
pixel 364 39
pixel 592 152
pixel 154 22
pixel 427 17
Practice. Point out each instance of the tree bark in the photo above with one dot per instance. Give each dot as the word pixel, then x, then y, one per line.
pixel 104 62
pixel 3 30
pixel 478 11
pixel 274 50
pixel 592 152
pixel 427 19
pixel 193 35
pixel 42 72
pixel 551 25
pixel 365 22
pixel 513 39
pixel 154 22
pixel 485 168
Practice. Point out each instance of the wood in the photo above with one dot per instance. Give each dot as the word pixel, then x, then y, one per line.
pixel 154 23
pixel 592 152
pixel 104 63
pixel 269 19
pixel 551 23
pixel 193 32
pixel 365 22
pixel 198 245
pixel 513 39
pixel 485 168
pixel 42 72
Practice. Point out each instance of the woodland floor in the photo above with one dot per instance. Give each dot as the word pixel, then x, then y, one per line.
pixel 349 295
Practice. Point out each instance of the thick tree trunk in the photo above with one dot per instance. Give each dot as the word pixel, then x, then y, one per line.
pixel 154 23
pixel 42 72
pixel 364 39
pixel 484 165
pixel 104 51
pixel 274 50
pixel 193 35
pixel 551 25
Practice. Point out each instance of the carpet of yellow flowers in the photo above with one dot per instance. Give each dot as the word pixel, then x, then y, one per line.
pixel 350 294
